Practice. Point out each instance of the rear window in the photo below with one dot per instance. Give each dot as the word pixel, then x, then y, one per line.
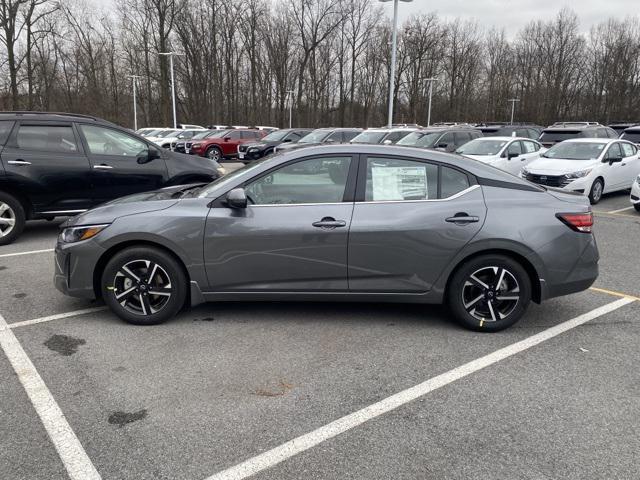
pixel 550 136
pixel 631 136
pixel 5 130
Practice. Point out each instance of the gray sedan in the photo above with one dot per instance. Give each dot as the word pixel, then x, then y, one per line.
pixel 361 223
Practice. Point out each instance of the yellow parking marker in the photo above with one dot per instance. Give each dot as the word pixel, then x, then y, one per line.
pixel 614 293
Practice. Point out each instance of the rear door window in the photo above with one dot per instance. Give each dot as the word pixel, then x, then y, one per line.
pixel 530 147
pixel 5 130
pixel 47 138
pixel 628 150
pixel 452 182
pixel 400 180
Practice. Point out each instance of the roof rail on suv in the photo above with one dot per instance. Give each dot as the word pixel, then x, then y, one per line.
pixel 575 124
pixel 62 114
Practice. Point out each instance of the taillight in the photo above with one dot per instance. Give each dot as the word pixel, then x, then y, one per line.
pixel 579 222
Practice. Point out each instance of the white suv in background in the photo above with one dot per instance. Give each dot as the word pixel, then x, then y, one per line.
pixel 506 153
pixel 592 166
pixel 635 193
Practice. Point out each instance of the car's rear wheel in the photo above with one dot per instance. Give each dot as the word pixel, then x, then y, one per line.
pixel 144 286
pixel 595 194
pixel 214 153
pixel 489 293
pixel 12 218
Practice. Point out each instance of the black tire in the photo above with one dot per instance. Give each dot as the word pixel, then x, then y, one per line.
pixel 470 302
pixel 595 194
pixel 637 207
pixel 12 218
pixel 214 153
pixel 139 305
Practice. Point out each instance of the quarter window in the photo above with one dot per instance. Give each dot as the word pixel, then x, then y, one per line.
pixel 530 147
pixel 628 149
pixel 316 180
pixel 106 141
pixel 47 138
pixel 396 180
pixel 5 129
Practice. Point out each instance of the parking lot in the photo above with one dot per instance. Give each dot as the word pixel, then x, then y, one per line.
pixel 305 390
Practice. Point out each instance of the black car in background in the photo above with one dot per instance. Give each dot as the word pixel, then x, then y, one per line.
pixel 620 127
pixel 183 145
pixel 559 132
pixel 523 131
pixel 254 151
pixel 447 139
pixel 60 164
pixel 322 135
pixel 632 134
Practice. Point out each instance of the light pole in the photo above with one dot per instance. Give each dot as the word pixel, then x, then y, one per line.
pixel 290 93
pixel 394 47
pixel 173 85
pixel 134 80
pixel 430 80
pixel 513 107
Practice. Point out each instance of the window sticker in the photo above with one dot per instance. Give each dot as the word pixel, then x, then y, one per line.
pixel 399 183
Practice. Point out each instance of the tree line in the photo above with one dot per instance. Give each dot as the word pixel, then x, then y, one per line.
pixel 243 61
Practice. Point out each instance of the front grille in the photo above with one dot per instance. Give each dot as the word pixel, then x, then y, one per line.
pixel 558 181
pixel 634 198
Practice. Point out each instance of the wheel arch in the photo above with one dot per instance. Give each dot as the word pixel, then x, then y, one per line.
pixel 114 249
pixel 24 201
pixel 532 272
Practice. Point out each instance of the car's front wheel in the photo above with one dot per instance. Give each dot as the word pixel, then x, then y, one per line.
pixel 214 153
pixel 144 285
pixel 489 293
pixel 595 194
pixel 12 218
pixel 637 207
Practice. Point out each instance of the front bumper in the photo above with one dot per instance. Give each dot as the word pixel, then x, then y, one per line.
pixel 74 268
pixel 635 193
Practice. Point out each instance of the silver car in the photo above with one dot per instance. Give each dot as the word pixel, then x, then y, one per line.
pixel 363 223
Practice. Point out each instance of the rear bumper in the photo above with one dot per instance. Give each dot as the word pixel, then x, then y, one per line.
pixel 583 274
pixel 74 268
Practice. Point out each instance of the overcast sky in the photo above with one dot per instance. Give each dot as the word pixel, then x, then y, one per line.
pixel 513 14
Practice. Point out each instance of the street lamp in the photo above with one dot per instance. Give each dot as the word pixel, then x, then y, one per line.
pixel 134 79
pixel 173 85
pixel 513 106
pixel 290 93
pixel 430 80
pixel 394 41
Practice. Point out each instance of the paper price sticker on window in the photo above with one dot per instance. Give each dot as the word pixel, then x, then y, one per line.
pixel 399 183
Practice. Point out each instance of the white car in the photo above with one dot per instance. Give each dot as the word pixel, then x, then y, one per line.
pixel 170 140
pixel 635 193
pixel 166 132
pixel 591 166
pixel 510 154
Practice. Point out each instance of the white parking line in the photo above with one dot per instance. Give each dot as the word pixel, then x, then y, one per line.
pixel 71 452
pixel 298 445
pixel 17 254
pixel 622 209
pixel 58 316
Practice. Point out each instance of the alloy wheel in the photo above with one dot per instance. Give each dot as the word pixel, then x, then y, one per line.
pixel 596 192
pixel 7 219
pixel 490 294
pixel 214 154
pixel 142 287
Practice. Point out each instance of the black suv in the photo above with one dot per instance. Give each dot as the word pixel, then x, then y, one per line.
pixel 447 139
pixel 253 151
pixel 558 132
pixel 59 164
pixel 521 130
pixel 632 134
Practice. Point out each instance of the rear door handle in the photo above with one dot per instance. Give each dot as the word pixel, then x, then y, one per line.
pixel 329 223
pixel 462 219
pixel 18 162
pixel 103 167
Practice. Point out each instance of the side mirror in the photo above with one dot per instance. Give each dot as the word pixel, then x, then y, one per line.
pixel 513 155
pixel 443 145
pixel 287 140
pixel 148 156
pixel 387 142
pixel 613 160
pixel 237 198
pixel 226 139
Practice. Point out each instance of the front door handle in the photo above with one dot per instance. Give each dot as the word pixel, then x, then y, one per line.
pixel 18 162
pixel 103 167
pixel 329 223
pixel 462 218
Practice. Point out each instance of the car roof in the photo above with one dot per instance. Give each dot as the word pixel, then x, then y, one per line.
pixel 51 116
pixel 591 140
pixel 503 138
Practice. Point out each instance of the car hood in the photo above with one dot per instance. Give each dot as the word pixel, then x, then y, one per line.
pixel 262 145
pixel 558 166
pixel 130 205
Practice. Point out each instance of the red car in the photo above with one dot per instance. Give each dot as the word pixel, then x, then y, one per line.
pixel 224 144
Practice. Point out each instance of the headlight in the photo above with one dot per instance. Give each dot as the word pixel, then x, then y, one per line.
pixel 77 234
pixel 524 172
pixel 580 174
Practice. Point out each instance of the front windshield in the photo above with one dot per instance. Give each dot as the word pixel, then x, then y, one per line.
pixel 276 136
pixel 216 134
pixel 420 139
pixel 204 192
pixel 153 133
pixel 369 137
pixel 575 150
pixel 482 147
pixel 317 136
